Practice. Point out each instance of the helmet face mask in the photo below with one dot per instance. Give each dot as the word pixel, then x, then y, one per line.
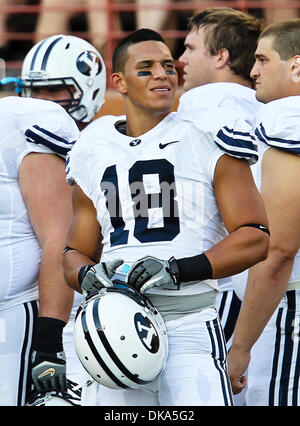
pixel 128 349
pixel 31 88
pixel 71 63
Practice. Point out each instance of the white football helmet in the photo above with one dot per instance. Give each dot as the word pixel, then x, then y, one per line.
pixel 71 62
pixel 57 399
pixel 120 338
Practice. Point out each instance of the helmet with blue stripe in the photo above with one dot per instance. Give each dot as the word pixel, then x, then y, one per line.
pixel 120 338
pixel 70 62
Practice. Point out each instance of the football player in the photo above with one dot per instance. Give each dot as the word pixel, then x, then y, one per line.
pixel 270 311
pixel 32 233
pixel 158 189
pixel 218 57
pixel 71 72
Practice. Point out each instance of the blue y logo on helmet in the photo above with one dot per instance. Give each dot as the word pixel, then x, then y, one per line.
pixel 89 63
pixel 146 332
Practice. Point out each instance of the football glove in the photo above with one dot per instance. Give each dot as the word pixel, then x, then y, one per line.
pixel 150 272
pixel 92 278
pixel 49 371
pixel 48 360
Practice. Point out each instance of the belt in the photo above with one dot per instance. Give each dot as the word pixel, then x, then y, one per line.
pixel 293 285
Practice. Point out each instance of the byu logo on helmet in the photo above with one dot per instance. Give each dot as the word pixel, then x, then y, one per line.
pixel 89 64
pixel 146 332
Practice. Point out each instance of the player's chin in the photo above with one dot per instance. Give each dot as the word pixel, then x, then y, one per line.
pixel 163 103
pixel 260 95
pixel 162 107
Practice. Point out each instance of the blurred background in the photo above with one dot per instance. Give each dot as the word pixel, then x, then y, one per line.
pixel 105 22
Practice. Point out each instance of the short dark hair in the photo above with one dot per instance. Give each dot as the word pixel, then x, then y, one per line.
pixel 233 30
pixel 286 37
pixel 120 55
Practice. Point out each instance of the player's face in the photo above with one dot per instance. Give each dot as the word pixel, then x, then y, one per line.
pixel 270 74
pixel 51 93
pixel 198 64
pixel 150 77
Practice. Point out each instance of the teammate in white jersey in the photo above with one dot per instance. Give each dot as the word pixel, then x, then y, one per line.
pixel 152 184
pixel 71 72
pixel 32 192
pixel 218 57
pixel 270 311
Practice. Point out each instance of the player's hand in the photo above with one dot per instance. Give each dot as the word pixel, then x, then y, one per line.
pixel 150 272
pixel 99 276
pixel 49 371
pixel 238 362
pixel 48 360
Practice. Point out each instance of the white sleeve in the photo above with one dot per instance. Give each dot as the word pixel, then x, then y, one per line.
pixel 78 169
pixel 81 168
pixel 54 129
pixel 231 133
pixel 278 126
pixel 39 149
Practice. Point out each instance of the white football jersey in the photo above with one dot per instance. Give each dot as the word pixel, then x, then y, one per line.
pixel 20 252
pixel 277 126
pixel 153 194
pixel 228 110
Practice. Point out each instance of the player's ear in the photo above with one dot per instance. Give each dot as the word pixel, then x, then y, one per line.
pixel 223 58
pixel 295 66
pixel 118 82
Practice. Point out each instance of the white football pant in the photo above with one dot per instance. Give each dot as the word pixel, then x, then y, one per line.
pixel 196 370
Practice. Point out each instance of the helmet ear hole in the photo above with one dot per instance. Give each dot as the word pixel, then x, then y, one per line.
pixel 95 94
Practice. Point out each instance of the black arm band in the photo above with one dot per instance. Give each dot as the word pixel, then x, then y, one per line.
pixel 196 268
pixel 82 273
pixel 48 335
pixel 66 249
pixel 258 226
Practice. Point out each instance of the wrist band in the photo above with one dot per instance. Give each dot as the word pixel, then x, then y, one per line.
pixel 196 268
pixel 48 335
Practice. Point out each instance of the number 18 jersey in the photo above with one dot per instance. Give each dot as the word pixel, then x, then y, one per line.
pixel 153 194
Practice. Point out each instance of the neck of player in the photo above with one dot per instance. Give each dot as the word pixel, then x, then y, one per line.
pixel 142 121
